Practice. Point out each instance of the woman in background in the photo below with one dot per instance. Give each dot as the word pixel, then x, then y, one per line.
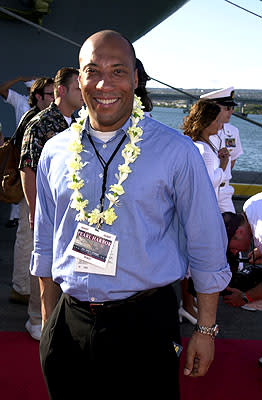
pixel 202 122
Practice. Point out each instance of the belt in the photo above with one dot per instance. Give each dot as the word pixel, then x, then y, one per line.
pixel 95 308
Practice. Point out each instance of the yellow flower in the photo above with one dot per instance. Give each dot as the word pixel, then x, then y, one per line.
pixel 113 199
pixel 118 189
pixel 94 217
pixel 79 204
pixel 136 131
pixel 76 185
pixel 83 113
pixel 132 148
pixel 75 147
pixel 75 163
pixel 124 169
pixel 110 216
pixel 82 216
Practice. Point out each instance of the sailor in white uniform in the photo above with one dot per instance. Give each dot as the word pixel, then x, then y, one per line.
pixel 227 137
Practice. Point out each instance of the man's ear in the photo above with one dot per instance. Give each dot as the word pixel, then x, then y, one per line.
pixel 38 97
pixel 136 78
pixel 79 79
pixel 62 90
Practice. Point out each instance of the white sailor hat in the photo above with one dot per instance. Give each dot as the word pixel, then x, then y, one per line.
pixel 225 97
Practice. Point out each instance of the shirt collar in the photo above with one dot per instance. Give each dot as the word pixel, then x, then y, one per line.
pixel 120 131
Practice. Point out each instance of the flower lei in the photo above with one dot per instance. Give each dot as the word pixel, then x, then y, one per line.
pixel 130 153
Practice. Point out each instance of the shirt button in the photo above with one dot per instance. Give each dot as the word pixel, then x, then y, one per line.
pixel 93 298
pixel 104 146
pixel 100 175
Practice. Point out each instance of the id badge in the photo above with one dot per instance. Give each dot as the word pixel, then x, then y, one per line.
pixel 110 269
pixel 91 245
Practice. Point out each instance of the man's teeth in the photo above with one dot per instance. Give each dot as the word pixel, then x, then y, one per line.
pixel 106 101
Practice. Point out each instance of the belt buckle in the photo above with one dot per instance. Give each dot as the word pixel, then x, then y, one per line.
pixel 95 307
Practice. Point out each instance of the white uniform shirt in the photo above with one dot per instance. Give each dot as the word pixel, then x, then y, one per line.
pixel 19 102
pixel 212 162
pixel 227 137
pixel 253 210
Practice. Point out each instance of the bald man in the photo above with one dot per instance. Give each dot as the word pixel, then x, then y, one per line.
pixel 139 190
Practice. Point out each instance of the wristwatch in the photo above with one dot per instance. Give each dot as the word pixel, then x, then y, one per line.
pixel 211 331
pixel 244 297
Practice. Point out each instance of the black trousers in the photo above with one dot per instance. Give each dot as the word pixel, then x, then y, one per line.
pixel 122 351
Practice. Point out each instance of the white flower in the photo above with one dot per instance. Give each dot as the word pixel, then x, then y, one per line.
pixel 95 217
pixel 113 199
pixel 118 189
pixel 124 169
pixel 110 216
pixel 75 146
pixel 75 164
pixel 76 128
pixel 82 216
pixel 83 113
pixel 76 185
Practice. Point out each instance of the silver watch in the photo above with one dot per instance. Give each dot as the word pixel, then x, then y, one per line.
pixel 244 297
pixel 211 331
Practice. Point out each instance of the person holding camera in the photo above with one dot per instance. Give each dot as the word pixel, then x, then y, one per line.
pixel 245 230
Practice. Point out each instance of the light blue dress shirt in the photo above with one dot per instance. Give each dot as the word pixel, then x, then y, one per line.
pixel 168 217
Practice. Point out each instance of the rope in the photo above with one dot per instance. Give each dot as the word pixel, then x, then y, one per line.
pixel 3 10
pixel 245 9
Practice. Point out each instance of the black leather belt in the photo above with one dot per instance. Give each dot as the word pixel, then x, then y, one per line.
pixel 96 308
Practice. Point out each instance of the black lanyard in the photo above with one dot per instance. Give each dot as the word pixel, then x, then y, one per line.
pixel 105 166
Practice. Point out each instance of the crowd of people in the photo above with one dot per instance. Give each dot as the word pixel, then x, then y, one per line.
pixel 122 184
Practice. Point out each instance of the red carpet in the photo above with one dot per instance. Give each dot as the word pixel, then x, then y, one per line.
pixel 234 374
pixel 20 371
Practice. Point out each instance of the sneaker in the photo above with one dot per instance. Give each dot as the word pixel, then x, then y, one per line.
pixel 18 298
pixel 248 308
pixel 33 330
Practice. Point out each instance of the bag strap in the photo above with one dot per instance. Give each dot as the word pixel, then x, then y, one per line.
pixel 18 126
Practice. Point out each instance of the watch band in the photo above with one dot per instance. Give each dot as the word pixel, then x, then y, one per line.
pixel 206 330
pixel 244 297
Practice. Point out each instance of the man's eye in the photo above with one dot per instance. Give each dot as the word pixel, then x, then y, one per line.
pixel 90 70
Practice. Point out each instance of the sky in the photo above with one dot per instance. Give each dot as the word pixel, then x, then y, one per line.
pixel 207 44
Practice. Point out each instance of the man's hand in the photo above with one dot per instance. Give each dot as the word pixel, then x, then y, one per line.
pixel 255 256
pixel 234 299
pixel 199 355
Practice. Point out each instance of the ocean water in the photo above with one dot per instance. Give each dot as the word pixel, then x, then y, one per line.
pixel 250 135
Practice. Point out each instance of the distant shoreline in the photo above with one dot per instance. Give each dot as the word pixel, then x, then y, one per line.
pixel 254 109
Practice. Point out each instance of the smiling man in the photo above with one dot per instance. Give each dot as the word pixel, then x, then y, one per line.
pixel 141 188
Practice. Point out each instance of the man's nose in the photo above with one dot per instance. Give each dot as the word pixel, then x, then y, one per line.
pixel 104 83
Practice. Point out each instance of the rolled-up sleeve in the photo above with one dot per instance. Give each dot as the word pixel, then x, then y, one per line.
pixel 41 262
pixel 203 225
